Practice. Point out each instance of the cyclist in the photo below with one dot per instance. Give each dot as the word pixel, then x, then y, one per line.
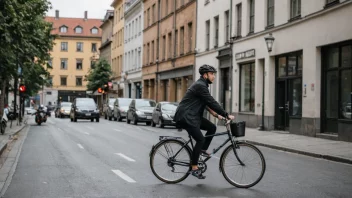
pixel 189 115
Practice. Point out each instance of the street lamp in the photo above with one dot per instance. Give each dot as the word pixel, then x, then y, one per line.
pixel 269 42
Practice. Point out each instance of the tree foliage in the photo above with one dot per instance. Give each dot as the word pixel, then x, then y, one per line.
pixel 98 76
pixel 26 40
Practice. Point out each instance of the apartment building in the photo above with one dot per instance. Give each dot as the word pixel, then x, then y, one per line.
pixel 133 49
pixel 291 65
pixel 117 48
pixel 73 54
pixel 168 48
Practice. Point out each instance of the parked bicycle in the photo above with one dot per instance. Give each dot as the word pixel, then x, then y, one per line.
pixel 170 158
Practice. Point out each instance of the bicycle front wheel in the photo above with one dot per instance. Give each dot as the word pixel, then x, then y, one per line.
pixel 170 162
pixel 245 174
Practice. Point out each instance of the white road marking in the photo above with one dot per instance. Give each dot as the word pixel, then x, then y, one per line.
pixel 117 130
pixel 85 133
pixel 124 156
pixel 80 146
pixel 123 176
pixel 88 127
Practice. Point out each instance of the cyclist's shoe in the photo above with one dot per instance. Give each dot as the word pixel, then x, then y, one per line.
pixel 205 153
pixel 197 173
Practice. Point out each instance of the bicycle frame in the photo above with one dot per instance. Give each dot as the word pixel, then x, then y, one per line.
pixel 230 138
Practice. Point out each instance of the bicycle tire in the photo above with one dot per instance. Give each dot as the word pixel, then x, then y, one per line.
pixel 226 174
pixel 187 151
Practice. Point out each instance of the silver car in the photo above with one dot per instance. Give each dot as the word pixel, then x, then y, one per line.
pixel 121 107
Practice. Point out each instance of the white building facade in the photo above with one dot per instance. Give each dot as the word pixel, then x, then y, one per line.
pixel 133 49
pixel 213 33
pixel 303 85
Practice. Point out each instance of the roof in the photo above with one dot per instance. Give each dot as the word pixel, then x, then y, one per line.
pixel 72 23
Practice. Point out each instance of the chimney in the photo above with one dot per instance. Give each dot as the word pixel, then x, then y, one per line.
pixel 85 15
pixel 56 14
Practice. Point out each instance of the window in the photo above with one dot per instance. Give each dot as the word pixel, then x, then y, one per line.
pixel 50 80
pixel 170 45
pixel 148 17
pixel 338 81
pixel 140 25
pixel 239 20
pixel 92 64
pixel 78 30
pixel 79 64
pixel 289 65
pixel 63 64
pixel 182 39
pixel 79 47
pixel 207 37
pixel 94 47
pixel 182 2
pixel 78 81
pixel 63 29
pixel 164 47
pixel 176 43
pixel 130 32
pixel 166 7
pixel 63 81
pixel 190 35
pixel 270 13
pixel 332 1
pixel 227 26
pixel 216 31
pixel 121 15
pixel 64 46
pixel 247 87
pixel 295 8
pixel 152 59
pixel 50 63
pixel 136 28
pixel 153 13
pixel 148 54
pixel 251 16
pixel 94 31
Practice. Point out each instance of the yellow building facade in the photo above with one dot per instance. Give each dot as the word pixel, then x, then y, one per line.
pixel 117 47
pixel 74 53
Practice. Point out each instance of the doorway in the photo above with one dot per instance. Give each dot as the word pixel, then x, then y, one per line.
pixel 225 89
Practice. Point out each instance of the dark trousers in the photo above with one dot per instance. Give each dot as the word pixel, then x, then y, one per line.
pixel 202 143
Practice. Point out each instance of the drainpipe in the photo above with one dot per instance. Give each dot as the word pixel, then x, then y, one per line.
pixel 174 30
pixel 195 37
pixel 231 65
pixel 262 127
pixel 157 55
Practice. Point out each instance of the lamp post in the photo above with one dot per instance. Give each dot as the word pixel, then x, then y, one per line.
pixel 269 40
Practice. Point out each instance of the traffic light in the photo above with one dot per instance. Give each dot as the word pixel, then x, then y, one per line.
pixel 106 87
pixel 100 90
pixel 22 88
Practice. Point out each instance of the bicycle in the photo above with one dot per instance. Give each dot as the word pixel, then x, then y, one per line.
pixel 180 161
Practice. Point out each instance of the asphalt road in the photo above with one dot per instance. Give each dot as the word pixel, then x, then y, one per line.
pixel 111 159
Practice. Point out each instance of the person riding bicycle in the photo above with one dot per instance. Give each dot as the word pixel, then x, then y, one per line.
pixel 189 115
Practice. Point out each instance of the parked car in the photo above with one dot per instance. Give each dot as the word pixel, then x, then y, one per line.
pixel 163 114
pixel 120 108
pixel 140 110
pixel 63 110
pixel 108 108
pixel 84 108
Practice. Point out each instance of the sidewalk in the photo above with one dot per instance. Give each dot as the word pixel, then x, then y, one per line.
pixel 322 148
pixel 10 132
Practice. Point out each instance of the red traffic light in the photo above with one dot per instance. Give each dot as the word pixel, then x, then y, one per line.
pixel 100 90
pixel 22 88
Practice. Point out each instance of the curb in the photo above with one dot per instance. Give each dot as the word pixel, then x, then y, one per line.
pixel 311 154
pixel 4 146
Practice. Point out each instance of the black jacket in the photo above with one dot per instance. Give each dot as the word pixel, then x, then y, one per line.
pixel 191 108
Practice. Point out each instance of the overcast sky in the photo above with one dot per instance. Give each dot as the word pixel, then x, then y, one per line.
pixel 75 8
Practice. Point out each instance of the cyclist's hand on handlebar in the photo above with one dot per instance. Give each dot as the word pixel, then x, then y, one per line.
pixel 231 117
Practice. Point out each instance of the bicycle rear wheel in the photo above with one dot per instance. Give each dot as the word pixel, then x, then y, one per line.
pixel 166 166
pixel 243 175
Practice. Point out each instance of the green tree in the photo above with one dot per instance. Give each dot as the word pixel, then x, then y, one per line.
pixel 26 40
pixel 98 76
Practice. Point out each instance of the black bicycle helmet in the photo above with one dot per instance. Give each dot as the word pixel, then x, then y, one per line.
pixel 206 68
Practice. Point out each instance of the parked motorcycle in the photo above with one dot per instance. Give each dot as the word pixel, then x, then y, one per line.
pixel 3 123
